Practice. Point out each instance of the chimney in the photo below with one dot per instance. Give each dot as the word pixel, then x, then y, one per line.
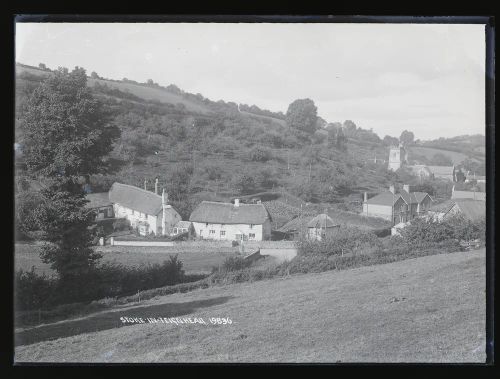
pixel 391 188
pixel 236 202
pixel 365 197
pixel 156 186
pixel 406 187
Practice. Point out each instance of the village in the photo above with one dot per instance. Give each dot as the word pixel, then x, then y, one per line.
pixel 148 214
pixel 314 194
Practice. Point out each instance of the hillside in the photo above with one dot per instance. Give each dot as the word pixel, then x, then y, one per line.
pixel 205 150
pixel 429 309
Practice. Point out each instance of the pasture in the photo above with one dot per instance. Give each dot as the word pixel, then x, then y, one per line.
pixel 429 152
pixel 428 309
pixel 194 262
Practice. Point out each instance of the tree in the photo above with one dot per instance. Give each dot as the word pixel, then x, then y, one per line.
pixel 94 75
pixel 332 137
pixel 42 66
pixel 341 140
pixel 302 115
pixel 439 159
pixel 150 82
pixel 390 141
pixel 406 137
pixel 245 184
pixel 349 128
pixel 66 138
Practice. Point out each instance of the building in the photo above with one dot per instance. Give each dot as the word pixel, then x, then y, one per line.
pixel 437 211
pixel 99 202
pixel 477 192
pixel 183 227
pixel 397 207
pixel 295 228
pixel 321 227
pixel 398 156
pixel 444 172
pixel 233 222
pixel 147 211
pixel 472 210
pixel 472 177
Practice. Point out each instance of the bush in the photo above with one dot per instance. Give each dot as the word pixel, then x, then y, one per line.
pixel 35 291
pixel 260 154
pixel 121 224
pixel 344 240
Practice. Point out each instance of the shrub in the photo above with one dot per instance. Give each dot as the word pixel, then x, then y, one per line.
pixel 121 224
pixel 33 291
pixel 344 240
pixel 260 154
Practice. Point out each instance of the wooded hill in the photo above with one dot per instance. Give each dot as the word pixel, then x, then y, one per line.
pixel 205 150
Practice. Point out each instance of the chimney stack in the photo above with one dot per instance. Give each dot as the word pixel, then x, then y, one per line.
pixel 236 202
pixel 391 188
pixel 406 187
pixel 164 215
pixel 156 186
pixel 365 197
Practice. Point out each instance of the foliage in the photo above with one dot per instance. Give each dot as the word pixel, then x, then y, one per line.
pixel 344 240
pixel 302 115
pixel 66 138
pixel 406 137
pixel 390 141
pixel 35 291
pixel 440 159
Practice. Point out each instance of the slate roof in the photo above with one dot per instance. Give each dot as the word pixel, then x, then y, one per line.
pixel 295 224
pixel 384 198
pixel 183 224
pixel 442 170
pixel 135 198
pixel 413 197
pixel 319 222
pixel 97 200
pixel 444 206
pixel 227 213
pixel 472 209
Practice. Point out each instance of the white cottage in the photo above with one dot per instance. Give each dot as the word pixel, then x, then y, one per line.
pixel 146 210
pixel 232 222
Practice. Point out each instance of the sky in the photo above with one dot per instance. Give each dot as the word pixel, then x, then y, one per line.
pixel 427 78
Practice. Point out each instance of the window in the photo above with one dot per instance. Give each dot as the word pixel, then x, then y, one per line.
pixel 251 235
pixel 212 231
pixel 175 230
pixel 222 233
pixel 251 226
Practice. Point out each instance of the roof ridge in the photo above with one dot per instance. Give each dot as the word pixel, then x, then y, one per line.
pixel 136 188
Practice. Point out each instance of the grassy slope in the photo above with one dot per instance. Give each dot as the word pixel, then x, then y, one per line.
pixel 329 317
pixel 27 256
pixel 429 152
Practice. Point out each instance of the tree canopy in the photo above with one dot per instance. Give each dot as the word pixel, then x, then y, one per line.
pixel 302 114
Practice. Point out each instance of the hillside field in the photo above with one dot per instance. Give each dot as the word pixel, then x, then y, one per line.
pixel 429 152
pixel 429 309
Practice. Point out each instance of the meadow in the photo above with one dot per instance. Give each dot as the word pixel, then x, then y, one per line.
pixel 194 262
pixel 428 309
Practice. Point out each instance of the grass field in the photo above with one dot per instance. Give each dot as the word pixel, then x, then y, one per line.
pixel 26 256
pixel 429 309
pixel 429 152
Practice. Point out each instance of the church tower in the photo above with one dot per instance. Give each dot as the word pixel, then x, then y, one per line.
pixel 397 157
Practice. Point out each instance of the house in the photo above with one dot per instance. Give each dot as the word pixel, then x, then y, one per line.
pixel 471 177
pixel 147 211
pixel 437 211
pixel 183 227
pixel 234 222
pixel 99 202
pixel 472 210
pixel 444 172
pixel 296 227
pixel 477 192
pixel 321 227
pixel 397 207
